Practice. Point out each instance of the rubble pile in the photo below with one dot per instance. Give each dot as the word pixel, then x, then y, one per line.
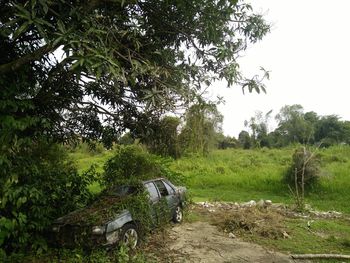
pixel 268 204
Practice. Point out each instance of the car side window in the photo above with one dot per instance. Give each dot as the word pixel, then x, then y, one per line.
pixel 152 190
pixel 161 187
pixel 171 190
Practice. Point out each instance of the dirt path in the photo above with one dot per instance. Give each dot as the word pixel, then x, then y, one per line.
pixel 202 242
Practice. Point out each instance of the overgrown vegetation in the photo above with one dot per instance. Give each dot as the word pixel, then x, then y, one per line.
pixel 130 166
pixel 87 71
pixel 126 64
pixel 123 189
pixel 66 190
pixel 43 185
pixel 120 255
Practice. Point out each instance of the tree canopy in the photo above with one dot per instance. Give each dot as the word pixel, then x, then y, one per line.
pixel 97 67
pixel 203 122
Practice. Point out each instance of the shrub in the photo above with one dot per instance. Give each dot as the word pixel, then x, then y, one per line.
pixel 132 163
pixel 304 164
pixel 39 184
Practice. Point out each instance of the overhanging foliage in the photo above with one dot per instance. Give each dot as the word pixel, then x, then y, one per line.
pixel 95 67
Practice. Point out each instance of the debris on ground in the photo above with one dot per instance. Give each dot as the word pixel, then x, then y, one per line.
pixel 267 204
pixel 263 218
pixel 231 235
pixel 251 220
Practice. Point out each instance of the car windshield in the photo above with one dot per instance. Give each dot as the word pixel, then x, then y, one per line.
pixel 122 190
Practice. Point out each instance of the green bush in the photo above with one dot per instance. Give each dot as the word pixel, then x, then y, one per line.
pixel 304 164
pixel 135 163
pixel 39 184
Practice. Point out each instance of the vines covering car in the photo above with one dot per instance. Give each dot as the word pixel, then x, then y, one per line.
pixel 122 214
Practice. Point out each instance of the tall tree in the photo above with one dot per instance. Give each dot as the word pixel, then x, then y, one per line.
pixel 292 125
pixel 202 122
pixel 330 130
pixel 224 142
pixel 162 138
pixel 244 140
pixel 259 127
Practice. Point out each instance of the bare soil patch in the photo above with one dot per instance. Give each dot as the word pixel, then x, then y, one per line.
pixel 207 240
pixel 223 232
pixel 203 242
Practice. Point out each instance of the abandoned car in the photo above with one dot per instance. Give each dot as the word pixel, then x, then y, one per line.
pixel 99 225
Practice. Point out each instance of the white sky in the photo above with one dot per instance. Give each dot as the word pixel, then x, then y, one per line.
pixel 308 54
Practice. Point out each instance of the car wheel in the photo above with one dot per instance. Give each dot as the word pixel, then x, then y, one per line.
pixel 178 215
pixel 130 236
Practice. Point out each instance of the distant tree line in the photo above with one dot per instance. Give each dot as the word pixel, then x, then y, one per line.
pixel 200 131
pixel 294 126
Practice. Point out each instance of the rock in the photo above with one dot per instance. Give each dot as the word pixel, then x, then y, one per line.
pixel 251 203
pixel 231 235
pixel 268 202
pixel 211 210
pixel 309 223
pixel 189 229
pixel 285 234
pixel 260 203
pixel 308 207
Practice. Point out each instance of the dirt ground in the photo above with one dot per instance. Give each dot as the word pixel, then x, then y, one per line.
pixel 209 236
pixel 203 242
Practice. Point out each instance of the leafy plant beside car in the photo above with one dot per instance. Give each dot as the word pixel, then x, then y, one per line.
pixel 39 184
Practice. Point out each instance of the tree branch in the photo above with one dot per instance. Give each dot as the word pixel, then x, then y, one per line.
pixel 36 55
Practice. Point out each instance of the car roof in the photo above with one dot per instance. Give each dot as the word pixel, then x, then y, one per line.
pixel 152 180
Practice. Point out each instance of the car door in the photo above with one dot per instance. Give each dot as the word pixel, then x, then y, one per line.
pixel 168 194
pixel 154 197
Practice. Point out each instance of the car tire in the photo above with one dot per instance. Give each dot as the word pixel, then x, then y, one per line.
pixel 178 215
pixel 130 236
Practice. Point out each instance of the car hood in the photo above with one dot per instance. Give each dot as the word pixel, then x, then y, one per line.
pixel 98 213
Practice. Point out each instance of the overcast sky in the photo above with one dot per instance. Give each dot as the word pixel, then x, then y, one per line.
pixel 308 54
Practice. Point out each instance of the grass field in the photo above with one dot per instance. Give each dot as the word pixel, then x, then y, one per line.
pixel 243 175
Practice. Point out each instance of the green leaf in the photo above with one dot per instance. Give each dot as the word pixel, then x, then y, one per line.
pixel 23 12
pixel 61 26
pixel 44 5
pixel 20 30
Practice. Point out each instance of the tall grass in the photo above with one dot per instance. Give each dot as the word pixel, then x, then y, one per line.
pixel 84 158
pixel 242 175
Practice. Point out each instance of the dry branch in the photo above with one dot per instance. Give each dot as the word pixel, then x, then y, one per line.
pixel 320 256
